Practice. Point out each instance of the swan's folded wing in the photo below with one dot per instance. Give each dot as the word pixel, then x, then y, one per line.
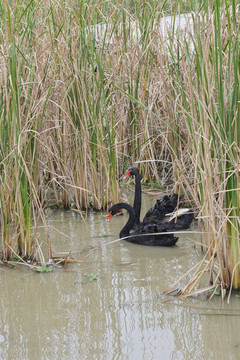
pixel 166 205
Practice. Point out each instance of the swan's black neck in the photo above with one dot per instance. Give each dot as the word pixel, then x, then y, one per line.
pixel 137 198
pixel 131 220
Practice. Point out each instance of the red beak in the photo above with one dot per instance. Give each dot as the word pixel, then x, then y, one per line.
pixel 109 216
pixel 127 175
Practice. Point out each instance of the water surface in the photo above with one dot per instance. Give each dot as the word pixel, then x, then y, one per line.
pixel 65 315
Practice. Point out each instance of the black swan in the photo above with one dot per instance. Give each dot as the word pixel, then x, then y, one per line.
pixel 142 233
pixel 178 220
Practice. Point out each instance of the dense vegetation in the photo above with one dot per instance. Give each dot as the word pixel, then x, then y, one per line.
pixel 89 88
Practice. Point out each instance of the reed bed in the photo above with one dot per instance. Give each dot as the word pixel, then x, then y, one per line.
pixel 89 88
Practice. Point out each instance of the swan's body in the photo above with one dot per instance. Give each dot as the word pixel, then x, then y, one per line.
pixel 163 211
pixel 143 233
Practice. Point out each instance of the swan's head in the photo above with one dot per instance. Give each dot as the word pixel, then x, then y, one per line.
pixel 116 209
pixel 112 211
pixel 131 172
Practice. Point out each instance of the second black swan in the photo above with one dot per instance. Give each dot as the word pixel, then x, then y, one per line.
pixel 143 234
pixel 179 220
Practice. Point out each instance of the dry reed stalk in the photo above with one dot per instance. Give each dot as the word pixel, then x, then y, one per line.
pixel 206 107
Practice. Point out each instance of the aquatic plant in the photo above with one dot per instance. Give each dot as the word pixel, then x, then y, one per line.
pixel 91 276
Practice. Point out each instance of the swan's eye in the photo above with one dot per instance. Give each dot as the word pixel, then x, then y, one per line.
pixel 109 216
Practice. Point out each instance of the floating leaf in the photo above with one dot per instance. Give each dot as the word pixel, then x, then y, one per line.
pixel 91 276
pixel 44 268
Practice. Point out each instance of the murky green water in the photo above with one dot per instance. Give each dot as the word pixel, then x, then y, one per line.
pixel 65 315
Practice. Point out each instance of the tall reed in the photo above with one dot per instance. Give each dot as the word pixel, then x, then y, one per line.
pixel 23 105
pixel 208 101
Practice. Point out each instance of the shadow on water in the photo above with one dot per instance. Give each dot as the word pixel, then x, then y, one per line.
pixel 120 315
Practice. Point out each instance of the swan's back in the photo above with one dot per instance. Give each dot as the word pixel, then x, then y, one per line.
pixel 166 205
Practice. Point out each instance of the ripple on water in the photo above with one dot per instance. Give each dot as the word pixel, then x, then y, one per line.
pixel 118 316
